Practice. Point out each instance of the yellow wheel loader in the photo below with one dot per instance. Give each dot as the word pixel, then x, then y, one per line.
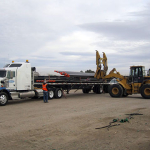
pixel 136 82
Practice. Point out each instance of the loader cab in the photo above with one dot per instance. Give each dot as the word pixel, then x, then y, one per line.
pixel 137 74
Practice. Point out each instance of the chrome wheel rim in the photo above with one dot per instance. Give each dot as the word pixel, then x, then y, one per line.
pixel 3 99
pixel 59 93
pixel 51 94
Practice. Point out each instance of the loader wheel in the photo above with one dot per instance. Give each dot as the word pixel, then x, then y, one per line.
pixel 145 91
pixel 58 93
pixel 115 90
pixel 3 99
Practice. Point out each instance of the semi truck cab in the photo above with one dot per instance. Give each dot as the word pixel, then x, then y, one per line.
pixel 16 76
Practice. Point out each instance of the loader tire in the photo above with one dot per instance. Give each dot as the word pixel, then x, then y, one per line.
pixel 145 91
pixel 115 90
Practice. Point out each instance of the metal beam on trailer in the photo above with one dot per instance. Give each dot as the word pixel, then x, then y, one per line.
pixel 77 74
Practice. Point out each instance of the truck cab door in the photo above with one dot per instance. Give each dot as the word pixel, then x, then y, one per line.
pixel 11 80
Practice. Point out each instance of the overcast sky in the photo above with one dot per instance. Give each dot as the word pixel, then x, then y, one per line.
pixel 64 34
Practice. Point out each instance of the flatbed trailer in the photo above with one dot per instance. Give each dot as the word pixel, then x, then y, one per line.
pixel 59 84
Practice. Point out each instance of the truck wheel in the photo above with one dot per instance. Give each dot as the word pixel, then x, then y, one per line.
pixel 115 90
pixel 3 99
pixel 58 93
pixel 51 94
pixel 145 91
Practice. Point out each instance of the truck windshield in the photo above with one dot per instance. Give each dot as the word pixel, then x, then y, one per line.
pixel 15 65
pixel 2 73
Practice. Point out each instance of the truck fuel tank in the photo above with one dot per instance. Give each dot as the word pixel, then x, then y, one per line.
pixel 26 94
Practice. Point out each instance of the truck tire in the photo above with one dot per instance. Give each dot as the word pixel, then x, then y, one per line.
pixel 58 93
pixel 145 91
pixel 51 93
pixel 115 90
pixel 3 99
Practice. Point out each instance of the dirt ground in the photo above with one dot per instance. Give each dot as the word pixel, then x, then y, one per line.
pixel 70 123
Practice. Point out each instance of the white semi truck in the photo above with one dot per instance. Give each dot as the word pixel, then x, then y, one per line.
pixel 18 79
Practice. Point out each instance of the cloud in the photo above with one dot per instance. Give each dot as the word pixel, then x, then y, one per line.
pixel 126 30
pixel 77 53
pixel 64 35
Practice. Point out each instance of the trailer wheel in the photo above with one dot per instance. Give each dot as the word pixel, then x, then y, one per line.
pixel 99 89
pixel 145 91
pixel 58 93
pixel 115 90
pixel 94 89
pixel 51 93
pixel 85 91
pixel 3 99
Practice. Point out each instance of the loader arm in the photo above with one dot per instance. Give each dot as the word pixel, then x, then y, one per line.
pixel 101 63
pixel 122 80
pixel 114 74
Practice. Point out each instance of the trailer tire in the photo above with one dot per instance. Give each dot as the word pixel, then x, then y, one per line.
pixel 94 89
pixel 98 89
pixel 145 91
pixel 85 91
pixel 58 93
pixel 3 99
pixel 105 88
pixel 115 90
pixel 51 93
